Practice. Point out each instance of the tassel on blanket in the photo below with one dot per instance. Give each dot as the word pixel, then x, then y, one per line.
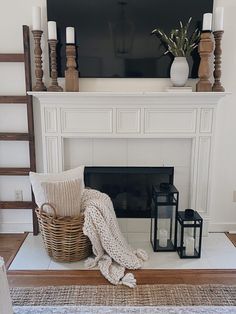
pixel 90 262
pixel 141 254
pixel 128 280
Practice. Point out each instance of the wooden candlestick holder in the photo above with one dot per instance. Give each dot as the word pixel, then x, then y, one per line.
pixel 71 74
pixel 39 85
pixel 217 87
pixel 54 87
pixel 205 49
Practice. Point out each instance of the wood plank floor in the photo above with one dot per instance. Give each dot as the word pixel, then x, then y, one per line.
pixel 232 237
pixel 9 245
pixel 93 277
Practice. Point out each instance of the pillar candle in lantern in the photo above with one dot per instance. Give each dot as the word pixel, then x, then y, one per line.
pixel 163 238
pixel 189 246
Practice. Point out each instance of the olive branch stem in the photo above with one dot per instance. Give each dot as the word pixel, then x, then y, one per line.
pixel 179 43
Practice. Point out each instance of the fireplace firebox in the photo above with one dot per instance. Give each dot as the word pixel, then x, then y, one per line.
pixel 130 188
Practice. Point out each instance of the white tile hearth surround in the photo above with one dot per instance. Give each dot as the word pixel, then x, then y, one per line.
pixel 217 253
pixel 133 129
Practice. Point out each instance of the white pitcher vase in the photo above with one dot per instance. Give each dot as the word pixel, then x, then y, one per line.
pixel 179 71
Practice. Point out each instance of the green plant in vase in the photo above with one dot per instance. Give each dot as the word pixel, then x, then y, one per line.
pixel 180 44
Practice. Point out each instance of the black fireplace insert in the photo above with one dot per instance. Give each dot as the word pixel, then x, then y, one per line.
pixel 129 188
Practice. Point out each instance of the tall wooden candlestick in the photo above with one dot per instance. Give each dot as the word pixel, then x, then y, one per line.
pixel 39 85
pixel 217 87
pixel 71 74
pixel 205 49
pixel 54 87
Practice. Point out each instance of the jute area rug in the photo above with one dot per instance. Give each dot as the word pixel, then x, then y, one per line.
pixel 125 310
pixel 111 296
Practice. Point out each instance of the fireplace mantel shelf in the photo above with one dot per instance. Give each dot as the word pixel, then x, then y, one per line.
pixel 142 116
pixel 172 98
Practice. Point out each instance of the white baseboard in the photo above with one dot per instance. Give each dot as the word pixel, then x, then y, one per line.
pixel 222 227
pixel 15 227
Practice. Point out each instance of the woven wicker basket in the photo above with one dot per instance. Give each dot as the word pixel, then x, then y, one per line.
pixel 63 236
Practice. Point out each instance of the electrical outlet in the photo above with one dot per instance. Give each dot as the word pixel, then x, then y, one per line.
pixel 18 195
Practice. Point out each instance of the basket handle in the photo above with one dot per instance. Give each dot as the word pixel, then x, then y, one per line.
pixel 52 207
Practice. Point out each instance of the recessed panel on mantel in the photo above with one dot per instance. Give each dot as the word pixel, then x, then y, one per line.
pixel 170 120
pixel 50 117
pixel 128 121
pixel 89 120
pixel 206 120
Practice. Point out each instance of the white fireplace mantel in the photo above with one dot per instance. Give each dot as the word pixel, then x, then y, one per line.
pixel 133 115
pixel 130 97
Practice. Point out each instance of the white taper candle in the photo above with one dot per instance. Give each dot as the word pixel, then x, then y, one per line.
pixel 52 30
pixel 207 21
pixel 218 19
pixel 36 18
pixel 70 35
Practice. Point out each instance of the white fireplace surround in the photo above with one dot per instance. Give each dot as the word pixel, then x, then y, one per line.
pixel 134 115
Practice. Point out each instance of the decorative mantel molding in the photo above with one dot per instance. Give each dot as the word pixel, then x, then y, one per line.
pixel 130 115
pixel 133 98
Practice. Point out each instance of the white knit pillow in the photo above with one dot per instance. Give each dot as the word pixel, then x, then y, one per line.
pixel 65 196
pixel 37 178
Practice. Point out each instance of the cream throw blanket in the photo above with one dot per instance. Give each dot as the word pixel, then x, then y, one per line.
pixel 112 252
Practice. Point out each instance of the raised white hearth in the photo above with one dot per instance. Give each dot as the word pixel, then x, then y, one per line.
pixel 140 119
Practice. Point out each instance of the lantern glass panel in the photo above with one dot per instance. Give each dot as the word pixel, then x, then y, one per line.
pixel 189 236
pixel 166 223
pixel 163 219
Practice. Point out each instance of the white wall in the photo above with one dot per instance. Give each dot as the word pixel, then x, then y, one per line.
pixel 14 14
pixel 224 170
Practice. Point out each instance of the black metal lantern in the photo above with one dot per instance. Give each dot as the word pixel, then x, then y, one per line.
pixel 122 32
pixel 189 239
pixel 165 199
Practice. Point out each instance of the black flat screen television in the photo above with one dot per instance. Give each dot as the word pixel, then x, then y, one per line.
pixel 113 36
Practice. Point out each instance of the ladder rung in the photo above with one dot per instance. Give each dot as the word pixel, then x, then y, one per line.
pixel 17 205
pixel 14 137
pixel 14 171
pixel 12 57
pixel 13 99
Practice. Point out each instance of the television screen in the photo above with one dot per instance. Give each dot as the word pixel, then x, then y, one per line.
pixel 113 36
